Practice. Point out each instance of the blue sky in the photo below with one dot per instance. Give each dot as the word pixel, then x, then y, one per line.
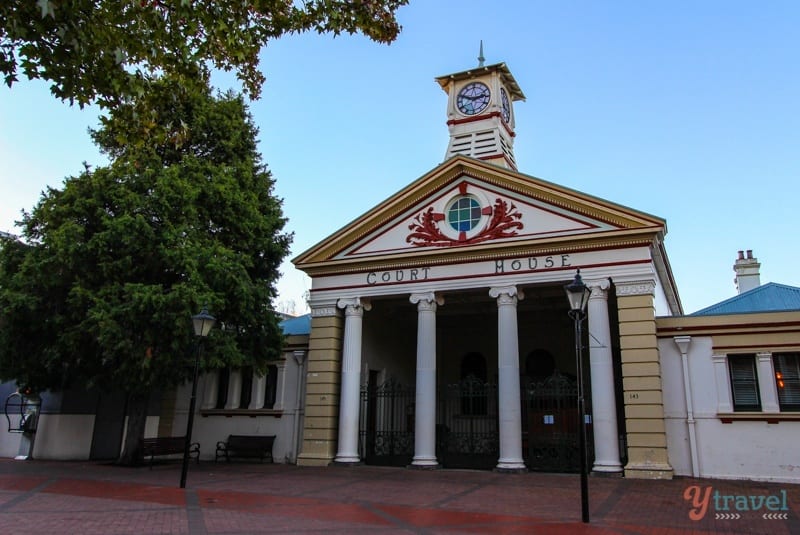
pixel 686 110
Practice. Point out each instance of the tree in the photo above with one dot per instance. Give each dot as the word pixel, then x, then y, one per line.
pixel 106 51
pixel 118 260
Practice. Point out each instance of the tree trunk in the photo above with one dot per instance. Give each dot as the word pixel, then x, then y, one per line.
pixel 137 416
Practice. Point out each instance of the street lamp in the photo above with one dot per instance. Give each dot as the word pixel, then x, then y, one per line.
pixel 578 296
pixel 203 322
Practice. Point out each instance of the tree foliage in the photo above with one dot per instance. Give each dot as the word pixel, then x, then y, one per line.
pixel 107 50
pixel 115 263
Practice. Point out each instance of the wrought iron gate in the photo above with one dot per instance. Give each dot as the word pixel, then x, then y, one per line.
pixel 466 431
pixel 387 424
pixel 550 425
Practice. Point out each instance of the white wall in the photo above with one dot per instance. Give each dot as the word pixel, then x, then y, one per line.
pixel 9 442
pixel 738 450
pixel 660 301
pixel 208 430
pixel 64 437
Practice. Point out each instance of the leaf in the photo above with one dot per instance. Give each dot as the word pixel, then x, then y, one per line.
pixel 185 39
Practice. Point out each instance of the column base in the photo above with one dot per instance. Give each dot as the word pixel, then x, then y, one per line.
pixel 434 466
pixel 511 468
pixel 607 469
pixel 346 463
pixel 424 461
pixel 611 475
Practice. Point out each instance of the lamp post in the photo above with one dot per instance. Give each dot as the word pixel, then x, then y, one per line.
pixel 203 322
pixel 578 296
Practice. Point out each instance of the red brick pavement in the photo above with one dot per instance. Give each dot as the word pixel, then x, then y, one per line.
pixel 63 497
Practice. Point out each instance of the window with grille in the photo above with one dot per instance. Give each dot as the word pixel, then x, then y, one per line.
pixel 787 380
pixel 744 383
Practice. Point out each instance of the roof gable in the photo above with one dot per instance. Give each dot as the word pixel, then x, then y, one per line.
pixel 770 297
pixel 501 208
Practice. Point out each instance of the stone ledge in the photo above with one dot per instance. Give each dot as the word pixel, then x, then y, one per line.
pixel 648 471
pixel 769 417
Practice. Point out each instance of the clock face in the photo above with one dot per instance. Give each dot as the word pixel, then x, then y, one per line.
pixel 506 105
pixel 473 98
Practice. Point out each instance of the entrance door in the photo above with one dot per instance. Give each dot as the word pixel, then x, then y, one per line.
pixel 550 425
pixel 467 435
pixel 387 423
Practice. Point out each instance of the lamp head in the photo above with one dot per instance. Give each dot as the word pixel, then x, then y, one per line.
pixel 577 294
pixel 203 322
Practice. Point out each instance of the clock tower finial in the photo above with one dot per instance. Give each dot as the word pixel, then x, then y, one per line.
pixel 480 114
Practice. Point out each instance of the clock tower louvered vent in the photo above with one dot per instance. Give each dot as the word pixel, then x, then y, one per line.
pixel 480 113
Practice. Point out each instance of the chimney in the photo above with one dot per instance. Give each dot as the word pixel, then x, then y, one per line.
pixel 747 272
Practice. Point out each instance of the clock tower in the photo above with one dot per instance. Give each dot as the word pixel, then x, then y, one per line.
pixel 480 113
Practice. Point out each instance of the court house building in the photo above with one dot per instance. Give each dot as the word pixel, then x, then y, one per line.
pixel 440 334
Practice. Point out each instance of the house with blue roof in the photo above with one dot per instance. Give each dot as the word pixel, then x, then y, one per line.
pixel 731 382
pixel 771 297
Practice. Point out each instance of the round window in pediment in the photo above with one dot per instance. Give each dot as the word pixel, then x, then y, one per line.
pixel 464 214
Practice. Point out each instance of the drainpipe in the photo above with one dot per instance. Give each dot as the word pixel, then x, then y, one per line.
pixel 683 346
pixel 299 358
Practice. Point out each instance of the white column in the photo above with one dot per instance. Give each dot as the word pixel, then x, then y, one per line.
pixel 257 391
pixel 509 412
pixel 280 386
pixel 351 380
pixel 604 406
pixel 210 386
pixel 766 383
pixel 425 412
pixel 234 389
pixel 722 379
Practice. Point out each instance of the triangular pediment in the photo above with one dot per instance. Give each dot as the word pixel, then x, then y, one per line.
pixel 469 207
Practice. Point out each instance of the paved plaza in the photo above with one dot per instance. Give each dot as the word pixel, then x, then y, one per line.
pixel 87 497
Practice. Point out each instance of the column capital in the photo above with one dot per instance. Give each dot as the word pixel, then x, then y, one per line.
pixel 639 287
pixel 766 355
pixel 506 295
pixel 599 288
pixel 426 300
pixel 354 306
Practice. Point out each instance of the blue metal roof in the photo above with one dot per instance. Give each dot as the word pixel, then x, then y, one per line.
pixel 770 297
pixel 298 325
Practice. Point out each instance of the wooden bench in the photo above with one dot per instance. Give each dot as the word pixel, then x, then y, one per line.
pixel 250 446
pixel 158 446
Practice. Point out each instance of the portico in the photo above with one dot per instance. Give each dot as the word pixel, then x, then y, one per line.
pixel 440 334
